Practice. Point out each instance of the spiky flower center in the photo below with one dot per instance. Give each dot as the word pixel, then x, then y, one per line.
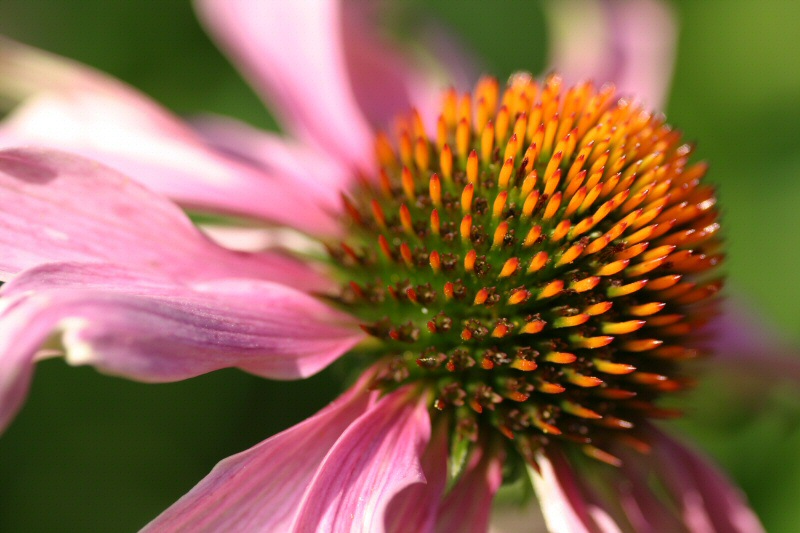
pixel 538 263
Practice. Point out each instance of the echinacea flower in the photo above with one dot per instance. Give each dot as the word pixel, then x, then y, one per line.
pixel 521 279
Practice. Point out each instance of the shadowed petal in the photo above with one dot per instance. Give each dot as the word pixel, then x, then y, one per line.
pixel 630 43
pixel 61 207
pixel 566 506
pixel 72 107
pixel 707 501
pixel 415 507
pixel 742 342
pixel 383 81
pixel 467 507
pixel 377 457
pixel 674 489
pixel 645 510
pixel 317 173
pixel 303 73
pixel 260 489
pixel 151 328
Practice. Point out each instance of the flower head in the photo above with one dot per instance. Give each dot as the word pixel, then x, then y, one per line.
pixel 539 275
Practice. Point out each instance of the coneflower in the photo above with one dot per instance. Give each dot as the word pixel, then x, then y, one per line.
pixel 519 274
pixel 538 264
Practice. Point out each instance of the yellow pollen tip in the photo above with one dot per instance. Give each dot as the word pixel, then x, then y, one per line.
pixel 481 296
pixel 509 268
pixel 551 289
pixel 518 296
pixel 469 260
pixel 561 230
pixel 552 206
pixel 462 138
pixel 405 219
pixel 435 222
pixel 446 162
pixel 524 365
pixel 499 206
pixel 625 290
pixel 405 253
pixel 610 367
pixel 622 328
pixel 533 327
pixel 511 148
pixel 500 234
pixel 435 261
pixel 435 190
pixel 561 358
pixel 466 198
pixel 538 262
pixel 466 228
pixel 505 173
pixel 531 201
pixel 407 180
pixel 571 255
pixel 472 168
pixel 598 308
pixel 533 235
pixel 570 321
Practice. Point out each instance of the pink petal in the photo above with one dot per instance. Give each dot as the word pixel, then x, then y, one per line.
pixel 61 207
pixel 566 504
pixel 672 489
pixel 373 460
pixel 415 507
pixel 569 504
pixel 743 342
pixel 316 173
pixel 384 82
pixel 707 500
pixel 292 52
pixel 152 328
pixel 467 507
pixel 260 489
pixel 645 510
pixel 72 107
pixel 628 42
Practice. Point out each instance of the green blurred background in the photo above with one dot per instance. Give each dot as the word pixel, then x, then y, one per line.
pixel 94 453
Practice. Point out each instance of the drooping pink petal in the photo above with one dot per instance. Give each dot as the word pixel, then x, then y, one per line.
pixel 467 506
pixel 153 328
pixel 292 52
pixel 415 507
pixel 374 459
pixel 707 501
pixel 260 489
pixel 628 42
pixel 62 207
pixel 644 509
pixel 385 83
pixel 744 343
pixel 72 107
pixel 566 505
pixel 314 171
